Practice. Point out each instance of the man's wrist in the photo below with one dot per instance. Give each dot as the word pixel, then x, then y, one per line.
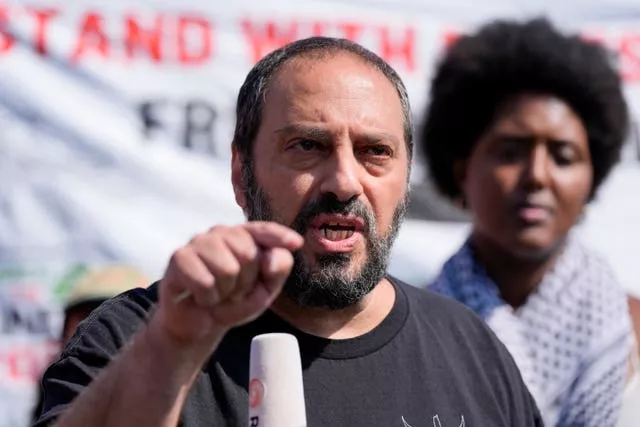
pixel 184 359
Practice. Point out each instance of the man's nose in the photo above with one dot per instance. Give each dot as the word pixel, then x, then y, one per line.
pixel 342 175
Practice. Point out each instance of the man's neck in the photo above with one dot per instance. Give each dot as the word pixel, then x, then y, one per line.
pixel 516 277
pixel 346 323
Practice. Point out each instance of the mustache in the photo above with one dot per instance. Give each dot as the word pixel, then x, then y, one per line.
pixel 328 203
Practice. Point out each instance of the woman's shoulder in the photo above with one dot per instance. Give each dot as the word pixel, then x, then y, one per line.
pixel 460 263
pixel 590 274
pixel 592 295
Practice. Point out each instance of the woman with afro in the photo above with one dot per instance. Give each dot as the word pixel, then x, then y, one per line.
pixel 523 126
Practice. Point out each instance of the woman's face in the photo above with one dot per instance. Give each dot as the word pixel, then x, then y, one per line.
pixel 529 176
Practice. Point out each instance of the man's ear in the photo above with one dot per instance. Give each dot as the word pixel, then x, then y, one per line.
pixel 237 179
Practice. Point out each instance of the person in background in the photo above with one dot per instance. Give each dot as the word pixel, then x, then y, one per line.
pixel 93 288
pixel 523 126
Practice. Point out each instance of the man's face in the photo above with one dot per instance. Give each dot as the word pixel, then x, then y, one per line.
pixel 330 161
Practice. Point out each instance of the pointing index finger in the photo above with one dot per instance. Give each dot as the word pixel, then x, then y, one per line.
pixel 271 235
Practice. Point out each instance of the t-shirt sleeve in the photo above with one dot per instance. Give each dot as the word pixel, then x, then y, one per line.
pixel 509 387
pixel 537 416
pixel 96 342
pixel 492 364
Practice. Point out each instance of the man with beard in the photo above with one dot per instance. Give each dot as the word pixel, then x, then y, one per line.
pixel 321 162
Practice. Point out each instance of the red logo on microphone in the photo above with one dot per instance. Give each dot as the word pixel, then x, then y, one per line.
pixel 256 392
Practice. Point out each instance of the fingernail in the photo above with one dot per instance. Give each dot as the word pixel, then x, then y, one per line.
pixel 271 265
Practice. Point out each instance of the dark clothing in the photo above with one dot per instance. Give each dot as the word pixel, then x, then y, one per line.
pixel 431 362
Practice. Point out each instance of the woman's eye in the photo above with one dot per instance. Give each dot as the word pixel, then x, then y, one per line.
pixel 512 149
pixel 564 156
pixel 510 155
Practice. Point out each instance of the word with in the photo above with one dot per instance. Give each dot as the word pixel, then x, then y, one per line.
pixel 188 39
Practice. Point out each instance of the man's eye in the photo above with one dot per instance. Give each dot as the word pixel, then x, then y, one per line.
pixel 377 150
pixel 307 145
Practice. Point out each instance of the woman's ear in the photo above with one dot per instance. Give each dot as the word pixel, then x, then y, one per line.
pixel 460 176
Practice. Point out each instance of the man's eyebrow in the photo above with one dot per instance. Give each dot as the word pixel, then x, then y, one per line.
pixel 312 132
pixel 377 137
pixel 305 131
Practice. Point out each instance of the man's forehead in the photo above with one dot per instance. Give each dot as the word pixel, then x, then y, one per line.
pixel 320 57
pixel 332 64
pixel 334 94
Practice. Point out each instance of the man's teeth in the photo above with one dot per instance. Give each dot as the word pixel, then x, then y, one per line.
pixel 330 234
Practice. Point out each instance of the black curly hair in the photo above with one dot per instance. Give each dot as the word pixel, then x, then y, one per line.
pixel 482 71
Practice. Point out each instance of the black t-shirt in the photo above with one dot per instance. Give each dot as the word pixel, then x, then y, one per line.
pixel 431 362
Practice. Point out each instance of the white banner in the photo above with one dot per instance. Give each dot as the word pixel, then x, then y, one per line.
pixel 115 126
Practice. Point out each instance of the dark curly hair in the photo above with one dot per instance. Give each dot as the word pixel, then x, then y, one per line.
pixel 480 72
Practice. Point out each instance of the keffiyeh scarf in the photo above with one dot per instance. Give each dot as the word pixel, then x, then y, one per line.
pixel 571 339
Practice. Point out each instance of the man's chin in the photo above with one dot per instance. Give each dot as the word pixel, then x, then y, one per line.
pixel 318 260
pixel 332 283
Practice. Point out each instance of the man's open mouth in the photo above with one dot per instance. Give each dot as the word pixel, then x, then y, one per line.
pixel 336 231
pixel 336 227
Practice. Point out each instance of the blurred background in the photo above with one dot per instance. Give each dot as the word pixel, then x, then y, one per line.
pixel 115 127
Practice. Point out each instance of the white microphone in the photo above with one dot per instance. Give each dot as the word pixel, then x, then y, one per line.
pixel 276 393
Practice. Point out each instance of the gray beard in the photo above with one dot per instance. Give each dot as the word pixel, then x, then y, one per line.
pixel 332 284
